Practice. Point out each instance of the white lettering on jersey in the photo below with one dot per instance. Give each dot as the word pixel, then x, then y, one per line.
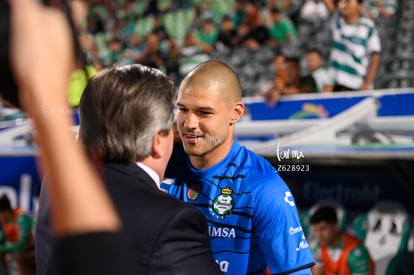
pixel 221 232
pixel 224 265
pixel 303 244
pixel 294 230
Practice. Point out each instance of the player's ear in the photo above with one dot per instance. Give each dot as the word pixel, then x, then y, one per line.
pixel 237 112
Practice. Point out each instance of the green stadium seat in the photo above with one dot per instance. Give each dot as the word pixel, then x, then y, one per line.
pixel 385 230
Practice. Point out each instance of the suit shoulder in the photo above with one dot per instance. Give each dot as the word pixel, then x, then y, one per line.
pixel 179 206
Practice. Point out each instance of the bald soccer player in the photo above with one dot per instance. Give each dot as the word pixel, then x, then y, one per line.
pixel 251 213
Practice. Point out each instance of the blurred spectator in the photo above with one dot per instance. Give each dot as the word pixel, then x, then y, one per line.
pixel 291 8
pixel 135 47
pixel 151 55
pixel 172 61
pixel 126 28
pixel 16 239
pixel 288 79
pixel 207 11
pixel 95 24
pixel 77 83
pixel 356 46
pixel 227 36
pixel 281 28
pixel 337 252
pixel 116 46
pixel 165 41
pixel 191 54
pixel 181 4
pixel 126 11
pixel 159 29
pixel 279 4
pixel 152 9
pixel 276 88
pixel 252 36
pixel 196 21
pixel 110 20
pixel 252 12
pixel 83 72
pixel 379 8
pixel 207 36
pixel 239 12
pixel 320 74
pixel 90 48
pixel 295 81
pixel 314 10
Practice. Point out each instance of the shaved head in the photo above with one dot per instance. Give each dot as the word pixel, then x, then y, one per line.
pixel 209 105
pixel 213 73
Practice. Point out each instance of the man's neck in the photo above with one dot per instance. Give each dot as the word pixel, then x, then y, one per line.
pixel 352 19
pixel 338 240
pixel 11 217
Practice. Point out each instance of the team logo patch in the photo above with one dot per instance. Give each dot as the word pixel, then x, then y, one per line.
pixel 193 192
pixel 223 203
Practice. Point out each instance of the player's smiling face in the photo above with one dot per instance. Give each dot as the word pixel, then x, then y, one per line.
pixel 204 121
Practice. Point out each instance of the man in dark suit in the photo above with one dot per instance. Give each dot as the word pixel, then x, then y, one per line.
pixel 126 123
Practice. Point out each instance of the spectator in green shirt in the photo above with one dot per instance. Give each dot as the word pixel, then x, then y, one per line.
pixel 281 28
pixel 207 36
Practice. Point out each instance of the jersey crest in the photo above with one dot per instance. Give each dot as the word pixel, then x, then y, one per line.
pixel 223 203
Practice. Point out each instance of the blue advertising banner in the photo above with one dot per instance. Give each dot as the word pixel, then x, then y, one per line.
pixel 19 180
pixel 311 106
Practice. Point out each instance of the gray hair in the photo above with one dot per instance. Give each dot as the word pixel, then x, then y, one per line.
pixel 121 110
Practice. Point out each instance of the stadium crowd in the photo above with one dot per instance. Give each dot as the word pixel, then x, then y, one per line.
pixel 176 35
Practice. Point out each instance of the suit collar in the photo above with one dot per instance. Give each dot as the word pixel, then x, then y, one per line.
pixel 154 176
pixel 133 170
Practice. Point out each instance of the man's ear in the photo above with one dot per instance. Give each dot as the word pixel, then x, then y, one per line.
pixel 237 112
pixel 160 144
pixel 157 151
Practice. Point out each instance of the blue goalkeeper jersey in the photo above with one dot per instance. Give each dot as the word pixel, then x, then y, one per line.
pixel 251 213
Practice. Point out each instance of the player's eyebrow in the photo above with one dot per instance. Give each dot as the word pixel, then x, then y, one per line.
pixel 200 108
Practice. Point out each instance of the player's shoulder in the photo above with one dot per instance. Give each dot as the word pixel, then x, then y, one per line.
pixel 260 174
pixel 254 161
pixel 366 21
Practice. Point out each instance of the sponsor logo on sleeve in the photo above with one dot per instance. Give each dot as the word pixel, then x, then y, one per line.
pixel 289 199
pixel 295 230
pixel 303 244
